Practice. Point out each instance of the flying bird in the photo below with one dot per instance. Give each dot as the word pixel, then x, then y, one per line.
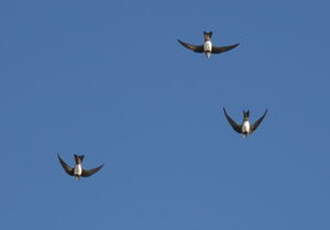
pixel 78 171
pixel 208 48
pixel 246 127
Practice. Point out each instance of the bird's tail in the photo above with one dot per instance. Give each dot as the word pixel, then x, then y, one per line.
pixel 78 159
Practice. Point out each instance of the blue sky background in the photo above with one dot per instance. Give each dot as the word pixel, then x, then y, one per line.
pixel 108 79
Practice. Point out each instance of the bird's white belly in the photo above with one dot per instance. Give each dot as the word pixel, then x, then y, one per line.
pixel 246 127
pixel 207 46
pixel 77 170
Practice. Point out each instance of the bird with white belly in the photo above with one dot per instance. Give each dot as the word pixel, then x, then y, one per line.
pixel 208 48
pixel 246 128
pixel 78 171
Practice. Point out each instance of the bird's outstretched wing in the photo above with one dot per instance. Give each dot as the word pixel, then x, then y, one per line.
pixel 221 49
pixel 87 173
pixel 234 125
pixel 66 167
pixel 258 122
pixel 198 49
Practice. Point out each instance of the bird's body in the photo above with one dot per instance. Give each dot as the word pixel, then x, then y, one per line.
pixel 208 48
pixel 246 127
pixel 77 170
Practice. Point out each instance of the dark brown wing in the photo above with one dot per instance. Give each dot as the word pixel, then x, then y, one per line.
pixel 198 49
pixel 87 173
pixel 66 167
pixel 258 122
pixel 234 125
pixel 217 50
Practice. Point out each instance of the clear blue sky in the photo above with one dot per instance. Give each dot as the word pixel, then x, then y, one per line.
pixel 108 79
